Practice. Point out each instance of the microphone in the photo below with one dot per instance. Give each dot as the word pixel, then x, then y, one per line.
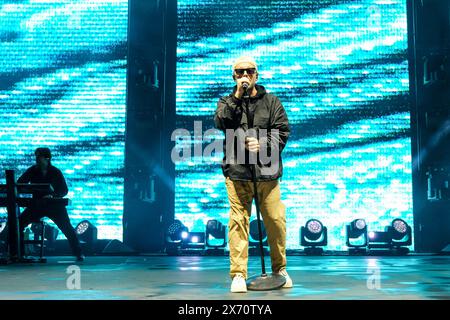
pixel 245 86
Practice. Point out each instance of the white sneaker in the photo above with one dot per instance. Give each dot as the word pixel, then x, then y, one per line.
pixel 288 283
pixel 238 284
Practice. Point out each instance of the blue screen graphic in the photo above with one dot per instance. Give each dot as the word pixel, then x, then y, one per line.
pixel 62 85
pixel 340 69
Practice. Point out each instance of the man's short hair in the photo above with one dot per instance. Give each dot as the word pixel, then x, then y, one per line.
pixel 43 152
pixel 246 59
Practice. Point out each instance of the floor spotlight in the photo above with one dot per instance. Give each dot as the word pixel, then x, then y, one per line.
pixel 393 240
pixel 313 236
pixel 380 239
pixel 87 234
pixel 401 234
pixel 380 242
pixel 215 237
pixel 175 234
pixel 357 237
pixel 194 240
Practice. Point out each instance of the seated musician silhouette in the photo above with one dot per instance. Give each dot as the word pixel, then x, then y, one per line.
pixel 44 172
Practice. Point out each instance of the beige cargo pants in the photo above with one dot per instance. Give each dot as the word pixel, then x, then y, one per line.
pixel 240 196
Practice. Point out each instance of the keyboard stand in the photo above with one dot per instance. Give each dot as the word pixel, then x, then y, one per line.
pixel 12 205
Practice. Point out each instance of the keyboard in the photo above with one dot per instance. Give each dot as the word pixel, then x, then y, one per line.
pixel 28 202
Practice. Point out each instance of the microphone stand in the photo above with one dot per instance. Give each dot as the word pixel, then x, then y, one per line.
pixel 263 282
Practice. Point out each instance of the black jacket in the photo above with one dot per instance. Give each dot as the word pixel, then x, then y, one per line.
pixel 267 112
pixel 54 177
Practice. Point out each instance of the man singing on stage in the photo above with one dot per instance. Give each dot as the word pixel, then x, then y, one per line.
pixel 250 109
pixel 44 172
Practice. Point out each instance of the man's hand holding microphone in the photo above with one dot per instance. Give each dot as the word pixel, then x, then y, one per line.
pixel 242 87
pixel 251 143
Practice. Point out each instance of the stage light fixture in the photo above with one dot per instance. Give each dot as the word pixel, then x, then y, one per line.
pixel 380 242
pixel 313 236
pixel 401 233
pixel 215 234
pixel 175 234
pixel 380 239
pixel 177 231
pixel 87 234
pixel 194 240
pixel 394 239
pixel 357 237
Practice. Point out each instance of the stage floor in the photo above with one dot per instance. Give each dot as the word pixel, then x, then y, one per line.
pixel 206 277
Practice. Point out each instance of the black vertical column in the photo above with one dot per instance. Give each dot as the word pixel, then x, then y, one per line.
pixel 429 48
pixel 13 215
pixel 149 171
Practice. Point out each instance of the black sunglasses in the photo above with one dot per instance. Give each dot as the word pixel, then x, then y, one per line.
pixel 240 72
